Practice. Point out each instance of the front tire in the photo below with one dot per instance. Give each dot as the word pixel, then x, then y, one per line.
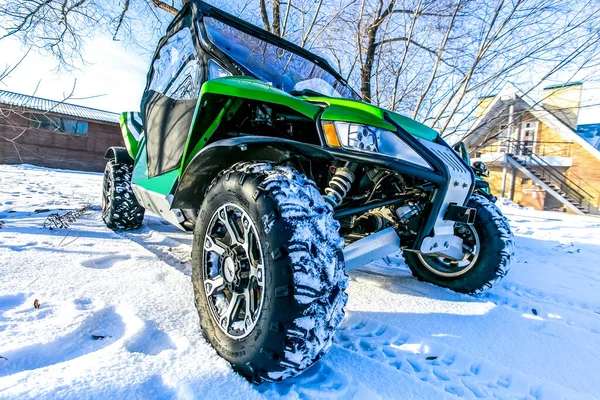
pixel 268 271
pixel 120 208
pixel 492 243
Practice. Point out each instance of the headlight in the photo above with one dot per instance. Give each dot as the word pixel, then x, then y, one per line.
pixel 370 139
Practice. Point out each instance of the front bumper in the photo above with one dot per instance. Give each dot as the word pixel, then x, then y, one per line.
pixel 456 191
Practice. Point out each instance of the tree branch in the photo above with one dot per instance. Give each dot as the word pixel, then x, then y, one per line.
pixel 405 39
pixel 263 13
pixel 165 7
pixel 121 17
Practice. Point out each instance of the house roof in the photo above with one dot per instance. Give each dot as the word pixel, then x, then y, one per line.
pixel 538 111
pixel 563 85
pixel 58 107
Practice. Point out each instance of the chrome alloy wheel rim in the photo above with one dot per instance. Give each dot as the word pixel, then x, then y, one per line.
pixel 454 268
pixel 233 271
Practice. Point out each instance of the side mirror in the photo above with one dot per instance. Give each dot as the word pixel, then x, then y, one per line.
pixel 480 169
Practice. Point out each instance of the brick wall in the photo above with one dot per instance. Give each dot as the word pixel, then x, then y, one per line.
pixel 52 149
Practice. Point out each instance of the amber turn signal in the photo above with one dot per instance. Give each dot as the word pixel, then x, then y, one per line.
pixel 331 135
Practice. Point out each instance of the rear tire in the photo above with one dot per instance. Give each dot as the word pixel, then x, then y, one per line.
pixel 300 303
pixel 120 208
pixel 495 249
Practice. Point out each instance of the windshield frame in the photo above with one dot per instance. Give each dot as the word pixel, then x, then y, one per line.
pixel 205 10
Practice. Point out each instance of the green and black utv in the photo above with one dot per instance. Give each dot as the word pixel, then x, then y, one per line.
pixel 288 181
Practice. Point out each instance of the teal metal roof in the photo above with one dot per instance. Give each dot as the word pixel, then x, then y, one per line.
pixel 561 85
pixel 57 107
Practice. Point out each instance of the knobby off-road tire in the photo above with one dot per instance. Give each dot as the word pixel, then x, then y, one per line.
pixel 491 264
pixel 120 208
pixel 304 278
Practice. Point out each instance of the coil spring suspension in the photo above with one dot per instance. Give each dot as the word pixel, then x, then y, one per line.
pixel 339 186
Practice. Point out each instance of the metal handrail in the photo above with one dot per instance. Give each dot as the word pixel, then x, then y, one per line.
pixel 540 147
pixel 559 179
pixel 542 163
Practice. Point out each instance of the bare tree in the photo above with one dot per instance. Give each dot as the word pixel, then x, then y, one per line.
pixel 430 59
pixel 295 20
pixel 433 59
pixel 60 27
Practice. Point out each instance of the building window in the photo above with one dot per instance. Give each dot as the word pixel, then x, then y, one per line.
pixel 528 137
pixel 58 124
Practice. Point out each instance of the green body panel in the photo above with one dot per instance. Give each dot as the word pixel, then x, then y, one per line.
pixel 137 150
pixel 337 110
pixel 244 88
pixel 413 127
pixel 368 114
pixel 204 139
pixel 159 184
pixel 229 89
pixel 250 88
pixel 129 137
pixel 357 115
pixel 140 173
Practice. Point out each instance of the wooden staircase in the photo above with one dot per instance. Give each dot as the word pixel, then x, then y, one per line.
pixel 553 180
pixel 558 188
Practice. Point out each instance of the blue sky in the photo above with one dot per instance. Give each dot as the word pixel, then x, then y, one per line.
pixel 114 77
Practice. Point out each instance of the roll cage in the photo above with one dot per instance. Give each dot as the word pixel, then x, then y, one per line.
pixel 173 118
pixel 192 15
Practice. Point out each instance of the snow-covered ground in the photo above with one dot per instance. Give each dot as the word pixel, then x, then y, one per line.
pixel 117 320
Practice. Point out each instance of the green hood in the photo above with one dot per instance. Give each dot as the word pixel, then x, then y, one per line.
pixel 364 113
pixel 337 109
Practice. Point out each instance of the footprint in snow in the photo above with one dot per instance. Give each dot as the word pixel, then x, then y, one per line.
pixel 23 246
pixel 83 303
pixel 150 340
pixel 100 329
pixel 104 262
pixel 11 300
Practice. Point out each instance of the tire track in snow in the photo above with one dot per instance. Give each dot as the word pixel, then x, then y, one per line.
pixel 167 249
pixel 321 381
pixel 530 294
pixel 455 372
pixel 547 310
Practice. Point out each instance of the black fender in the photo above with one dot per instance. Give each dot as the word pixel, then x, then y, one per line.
pixel 483 188
pixel 220 155
pixel 216 157
pixel 119 154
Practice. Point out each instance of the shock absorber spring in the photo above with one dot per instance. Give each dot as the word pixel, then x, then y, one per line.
pixel 340 184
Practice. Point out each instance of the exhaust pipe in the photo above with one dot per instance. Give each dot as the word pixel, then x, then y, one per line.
pixel 371 248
